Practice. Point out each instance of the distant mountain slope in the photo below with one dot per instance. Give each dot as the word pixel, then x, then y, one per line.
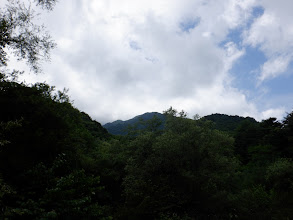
pixel 222 122
pixel 120 127
pixel 227 123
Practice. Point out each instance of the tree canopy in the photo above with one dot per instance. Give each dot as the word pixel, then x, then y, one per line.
pixel 21 36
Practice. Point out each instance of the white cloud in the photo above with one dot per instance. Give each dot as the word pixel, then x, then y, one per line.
pixel 232 53
pixel 272 33
pixel 123 58
pixel 274 67
pixel 273 113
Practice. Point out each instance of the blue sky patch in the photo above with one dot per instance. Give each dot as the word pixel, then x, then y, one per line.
pixel 246 69
pixel 257 12
pixel 189 24
pixel 281 84
pixel 134 45
pixel 235 35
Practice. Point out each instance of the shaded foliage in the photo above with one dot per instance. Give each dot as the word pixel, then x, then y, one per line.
pixel 45 145
pixel 56 162
pixel 146 121
pixel 228 123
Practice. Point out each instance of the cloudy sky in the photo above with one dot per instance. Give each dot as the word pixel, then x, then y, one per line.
pixel 121 58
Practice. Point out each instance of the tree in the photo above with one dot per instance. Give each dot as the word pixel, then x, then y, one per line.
pixel 279 178
pixel 44 145
pixel 247 134
pixel 21 36
pixel 46 4
pixel 288 130
pixel 4 129
pixel 188 169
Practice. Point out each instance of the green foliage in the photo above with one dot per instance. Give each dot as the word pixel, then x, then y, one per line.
pixel 42 130
pixel 279 177
pixel 5 128
pixel 280 174
pixel 5 192
pixel 141 123
pixel 253 203
pixel 185 169
pixel 58 163
pixel 75 195
pixel 247 134
pixel 46 142
pixel 227 123
pixel 288 130
pixel 28 41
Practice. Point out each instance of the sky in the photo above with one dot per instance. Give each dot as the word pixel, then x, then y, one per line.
pixel 122 58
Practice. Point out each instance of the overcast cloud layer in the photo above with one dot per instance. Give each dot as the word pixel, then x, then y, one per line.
pixel 123 58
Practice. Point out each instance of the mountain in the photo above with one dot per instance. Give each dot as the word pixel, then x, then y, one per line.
pixel 120 127
pixel 221 122
pixel 227 123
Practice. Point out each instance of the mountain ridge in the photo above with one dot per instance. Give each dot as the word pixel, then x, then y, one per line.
pixel 119 127
pixel 223 122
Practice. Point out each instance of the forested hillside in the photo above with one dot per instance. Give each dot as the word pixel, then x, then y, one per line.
pixel 120 127
pixel 228 123
pixel 221 122
pixel 58 163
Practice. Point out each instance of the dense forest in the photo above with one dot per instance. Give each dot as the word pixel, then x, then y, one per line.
pixel 58 163
pixel 222 122
pixel 120 127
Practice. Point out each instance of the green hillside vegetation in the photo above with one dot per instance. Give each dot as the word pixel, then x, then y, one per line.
pixel 222 122
pixel 120 127
pixel 58 163
pixel 228 123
